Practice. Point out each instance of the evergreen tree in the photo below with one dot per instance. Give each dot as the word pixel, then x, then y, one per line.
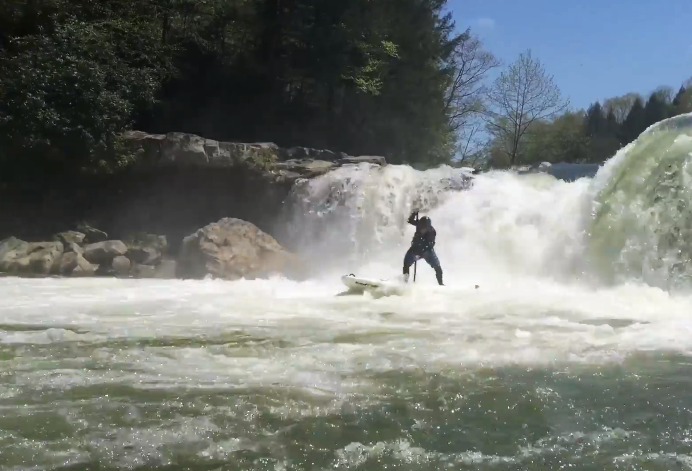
pixel 678 97
pixel 594 121
pixel 635 122
pixel 678 106
pixel 602 132
pixel 655 110
pixel 612 125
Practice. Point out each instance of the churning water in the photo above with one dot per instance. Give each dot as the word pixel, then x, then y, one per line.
pixel 574 352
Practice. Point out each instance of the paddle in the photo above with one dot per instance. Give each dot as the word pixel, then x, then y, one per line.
pixel 415 260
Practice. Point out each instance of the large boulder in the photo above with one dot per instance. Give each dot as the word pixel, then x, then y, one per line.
pixel 68 237
pixel 74 264
pixel 91 234
pixel 232 249
pixel 24 258
pixel 121 265
pixel 71 241
pixel 146 249
pixel 68 262
pixel 10 247
pixel 144 255
pixel 102 253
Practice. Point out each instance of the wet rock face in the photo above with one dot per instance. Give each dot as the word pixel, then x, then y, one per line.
pixel 178 183
pixel 183 150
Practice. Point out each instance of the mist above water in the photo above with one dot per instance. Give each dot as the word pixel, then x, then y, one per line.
pixel 632 222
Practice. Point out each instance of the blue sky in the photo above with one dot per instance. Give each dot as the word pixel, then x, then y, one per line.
pixel 595 49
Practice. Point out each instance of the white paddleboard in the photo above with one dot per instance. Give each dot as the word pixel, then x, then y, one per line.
pixel 361 284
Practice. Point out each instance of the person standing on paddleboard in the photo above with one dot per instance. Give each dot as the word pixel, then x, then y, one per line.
pixel 422 246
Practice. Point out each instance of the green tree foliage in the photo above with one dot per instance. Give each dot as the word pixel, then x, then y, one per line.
pixel 595 120
pixel 593 135
pixel 682 103
pixel 357 76
pixel 560 139
pixel 620 106
pixel 635 122
pixel 65 97
pixel 679 97
pixel 74 76
pixel 656 109
pixel 600 130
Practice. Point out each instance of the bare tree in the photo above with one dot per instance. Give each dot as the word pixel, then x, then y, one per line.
pixel 621 105
pixel 473 143
pixel 520 96
pixel 665 93
pixel 466 93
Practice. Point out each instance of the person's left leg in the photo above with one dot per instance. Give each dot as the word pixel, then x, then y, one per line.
pixel 431 257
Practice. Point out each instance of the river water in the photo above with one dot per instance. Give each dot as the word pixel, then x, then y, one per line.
pixel 551 363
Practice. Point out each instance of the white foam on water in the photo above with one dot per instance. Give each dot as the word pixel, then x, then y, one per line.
pixel 523 239
pixel 283 333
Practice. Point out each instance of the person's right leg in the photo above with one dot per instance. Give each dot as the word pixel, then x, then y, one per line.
pixel 431 257
pixel 408 261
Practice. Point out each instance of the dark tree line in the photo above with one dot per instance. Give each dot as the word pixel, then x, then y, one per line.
pixel 607 132
pixel 359 76
pixel 387 77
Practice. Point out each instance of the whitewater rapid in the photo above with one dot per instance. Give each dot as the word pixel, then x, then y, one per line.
pixel 571 351
pixel 524 240
pixel 525 322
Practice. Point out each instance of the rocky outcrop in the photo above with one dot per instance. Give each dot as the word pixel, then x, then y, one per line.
pixel 232 249
pixel 229 249
pixel 179 182
pixel 36 258
pixel 70 254
pixel 182 150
